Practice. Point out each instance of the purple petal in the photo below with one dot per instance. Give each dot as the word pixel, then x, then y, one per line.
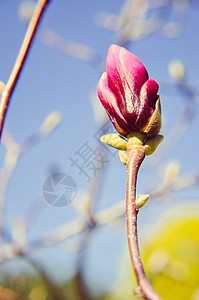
pixel 134 71
pixel 126 75
pixel 148 98
pixel 109 102
pixel 113 73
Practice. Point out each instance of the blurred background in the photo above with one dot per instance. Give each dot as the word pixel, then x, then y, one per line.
pixel 62 193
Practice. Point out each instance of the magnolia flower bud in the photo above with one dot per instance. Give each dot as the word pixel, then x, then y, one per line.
pixel 128 95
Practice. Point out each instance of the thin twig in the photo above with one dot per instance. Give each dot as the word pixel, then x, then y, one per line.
pixel 72 228
pixel 70 48
pixel 9 88
pixel 136 158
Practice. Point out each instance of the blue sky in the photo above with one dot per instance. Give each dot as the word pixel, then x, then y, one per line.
pixel 51 81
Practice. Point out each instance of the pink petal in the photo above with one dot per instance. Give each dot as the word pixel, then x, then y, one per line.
pixel 126 75
pixel 148 98
pixel 109 102
pixel 114 80
pixel 134 71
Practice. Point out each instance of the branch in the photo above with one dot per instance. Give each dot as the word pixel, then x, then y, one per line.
pixel 136 158
pixel 70 48
pixel 9 88
pixel 72 228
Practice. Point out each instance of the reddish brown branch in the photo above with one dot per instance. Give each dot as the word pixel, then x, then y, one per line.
pixel 9 88
pixel 136 158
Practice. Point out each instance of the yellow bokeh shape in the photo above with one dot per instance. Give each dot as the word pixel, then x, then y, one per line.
pixel 171 258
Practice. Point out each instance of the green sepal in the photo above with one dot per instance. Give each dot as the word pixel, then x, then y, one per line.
pixel 114 140
pixel 123 157
pixel 142 200
pixel 152 143
pixel 154 124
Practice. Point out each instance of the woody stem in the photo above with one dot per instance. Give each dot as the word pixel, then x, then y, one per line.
pixel 9 88
pixel 136 157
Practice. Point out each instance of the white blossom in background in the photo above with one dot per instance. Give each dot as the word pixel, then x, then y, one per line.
pixel 26 9
pixel 176 70
pixel 171 172
pixel 50 123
